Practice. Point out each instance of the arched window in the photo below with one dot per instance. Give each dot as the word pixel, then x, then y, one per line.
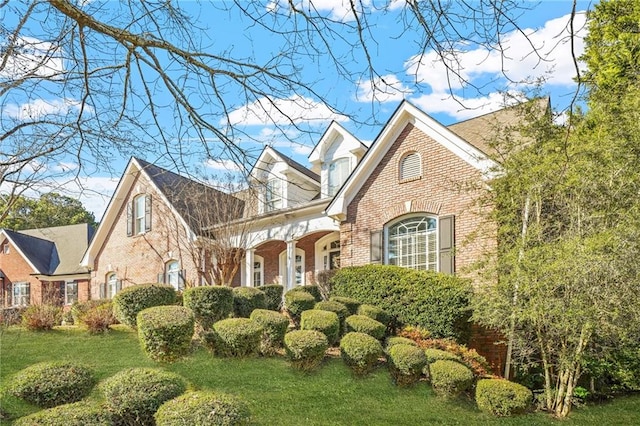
pixel 338 173
pixel 412 242
pixel 173 275
pixel 410 166
pixel 113 285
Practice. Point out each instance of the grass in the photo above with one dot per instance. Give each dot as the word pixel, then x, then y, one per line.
pixel 277 394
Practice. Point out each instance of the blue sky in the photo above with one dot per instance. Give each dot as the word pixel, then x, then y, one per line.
pixel 403 74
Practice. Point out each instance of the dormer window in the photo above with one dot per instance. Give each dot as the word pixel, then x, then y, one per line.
pixel 338 173
pixel 273 195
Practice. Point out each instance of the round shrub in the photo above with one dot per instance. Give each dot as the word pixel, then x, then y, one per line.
pixel 325 322
pixel 78 309
pixel 41 317
pixel 75 414
pixel 363 324
pixel 351 303
pixel 203 408
pixel 502 398
pixel 165 332
pixel 296 302
pixel 99 319
pixel 435 301
pixel 305 348
pixel 274 326
pixel 48 384
pixel 450 378
pixel 397 340
pixel 237 337
pixel 209 304
pixel 333 306
pixel 273 296
pixel 375 313
pixel 434 355
pixel 134 395
pixel 246 299
pixel 360 352
pixel 313 290
pixel 131 300
pixel 406 363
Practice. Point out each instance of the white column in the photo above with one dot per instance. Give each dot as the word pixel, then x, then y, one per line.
pixel 248 267
pixel 291 264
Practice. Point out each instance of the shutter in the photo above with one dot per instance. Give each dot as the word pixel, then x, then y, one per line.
pixel 446 235
pixel 130 218
pixel 181 279
pixel 376 247
pixel 118 286
pixel 160 279
pixel 147 213
pixel 103 291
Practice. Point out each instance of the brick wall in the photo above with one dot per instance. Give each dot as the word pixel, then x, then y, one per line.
pixel 491 345
pixel 16 269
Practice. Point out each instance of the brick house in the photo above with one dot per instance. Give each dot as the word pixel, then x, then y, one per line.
pixel 43 265
pixel 410 199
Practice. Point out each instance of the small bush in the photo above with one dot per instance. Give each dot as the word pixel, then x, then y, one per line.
pixel 48 384
pixel 305 349
pixel 41 317
pixel 99 319
pixel 450 378
pixel 246 299
pixel 165 332
pixel 203 408
pixel 325 322
pixel 406 363
pixel 209 304
pixel 76 414
pixel 131 300
pixel 273 296
pixel 78 309
pixel 11 316
pixel 434 355
pixel 133 395
pixel 351 303
pixel 239 337
pixel 375 313
pixel 337 307
pixel 274 326
pixel 296 302
pixel 313 290
pixel 363 324
pixel 502 398
pixel 397 340
pixel 360 352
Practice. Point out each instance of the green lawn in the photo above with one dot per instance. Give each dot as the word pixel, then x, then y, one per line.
pixel 276 394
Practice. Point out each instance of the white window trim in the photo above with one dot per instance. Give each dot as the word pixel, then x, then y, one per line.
pixel 273 200
pixel 139 214
pixel 410 216
pixel 111 281
pixel 319 249
pixel 66 292
pixel 21 284
pixel 257 259
pixel 172 272
pixel 283 267
pixel 401 167
pixel 336 187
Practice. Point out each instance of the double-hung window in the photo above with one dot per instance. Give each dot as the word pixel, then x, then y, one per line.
pixel 70 292
pixel 21 294
pixel 338 173
pixel 273 195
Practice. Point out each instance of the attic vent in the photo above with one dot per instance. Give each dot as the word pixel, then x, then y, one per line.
pixel 410 167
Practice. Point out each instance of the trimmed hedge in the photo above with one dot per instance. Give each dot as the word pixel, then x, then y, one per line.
pixel 48 384
pixel 131 300
pixel 133 395
pixel 75 414
pixel 375 313
pixel 325 322
pixel 41 317
pixel 274 326
pixel 406 363
pixel 296 302
pixel 397 340
pixel 273 296
pixel 360 352
pixel 435 301
pixel 502 398
pixel 333 306
pixel 209 304
pixel 203 408
pixel 450 378
pixel 305 348
pixel 238 337
pixel 165 332
pixel 351 303
pixel 434 355
pixel 313 290
pixel 364 324
pixel 246 299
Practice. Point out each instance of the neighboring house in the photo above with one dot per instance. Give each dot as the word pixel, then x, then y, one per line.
pixel 410 199
pixel 43 265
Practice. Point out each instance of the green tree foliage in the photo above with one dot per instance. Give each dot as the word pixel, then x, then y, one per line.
pixel 50 209
pixel 567 215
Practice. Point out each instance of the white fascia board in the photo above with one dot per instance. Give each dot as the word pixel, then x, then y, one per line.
pixel 15 246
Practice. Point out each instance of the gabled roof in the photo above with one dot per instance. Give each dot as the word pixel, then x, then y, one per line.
pixel 406 113
pixel 263 161
pixel 53 251
pixel 332 131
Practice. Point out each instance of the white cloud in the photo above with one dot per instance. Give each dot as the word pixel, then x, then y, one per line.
pixel 39 108
pixel 526 56
pixel 32 58
pixel 340 10
pixel 296 109
pixel 461 108
pixel 222 165
pixel 386 88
